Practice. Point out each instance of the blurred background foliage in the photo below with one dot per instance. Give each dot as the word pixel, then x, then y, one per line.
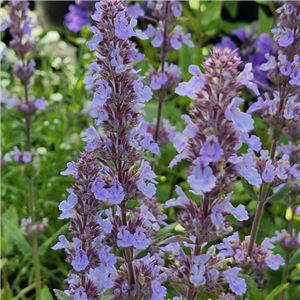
pixel 62 60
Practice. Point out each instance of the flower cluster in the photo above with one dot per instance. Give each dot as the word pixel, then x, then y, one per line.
pixel 216 129
pixel 289 242
pixel 79 15
pixel 260 259
pixel 22 43
pixel 111 175
pixel 251 49
pixel 167 36
pixel 282 109
pixel 38 227
pixel 208 272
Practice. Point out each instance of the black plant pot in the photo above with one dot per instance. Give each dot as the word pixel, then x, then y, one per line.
pixel 51 13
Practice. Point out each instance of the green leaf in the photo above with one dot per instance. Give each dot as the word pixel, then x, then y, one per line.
pixel 254 292
pixel 295 275
pixel 276 291
pixel 232 8
pixel 61 295
pixel 262 2
pixel 264 22
pixel 45 293
pixel 16 237
pixel 51 240
pixel 211 13
pixel 283 192
pixel 249 189
pixel 295 258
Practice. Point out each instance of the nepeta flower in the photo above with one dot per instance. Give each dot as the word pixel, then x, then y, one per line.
pixel 204 273
pixel 258 262
pixel 113 173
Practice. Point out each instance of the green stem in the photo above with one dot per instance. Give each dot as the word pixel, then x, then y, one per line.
pixel 263 196
pixel 285 273
pixel 163 56
pixel 31 207
pixel 35 251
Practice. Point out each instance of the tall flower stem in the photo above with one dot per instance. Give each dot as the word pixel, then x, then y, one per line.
pixel 285 273
pixel 163 56
pixel 263 196
pixel 31 206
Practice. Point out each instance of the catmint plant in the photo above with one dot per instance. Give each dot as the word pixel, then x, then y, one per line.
pixel 110 226
pixel 281 109
pixel 167 37
pixel 216 129
pixel 22 43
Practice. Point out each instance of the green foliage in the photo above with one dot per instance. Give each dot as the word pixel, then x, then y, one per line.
pixel 60 295
pixel 57 134
pixel 45 293
pixel 276 291
pixel 249 189
pixel 283 192
pixel 264 22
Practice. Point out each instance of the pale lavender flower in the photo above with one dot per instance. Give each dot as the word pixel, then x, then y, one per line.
pixel 193 86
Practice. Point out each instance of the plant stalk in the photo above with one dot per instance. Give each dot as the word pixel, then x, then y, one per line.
pixel 31 207
pixel 285 273
pixel 263 196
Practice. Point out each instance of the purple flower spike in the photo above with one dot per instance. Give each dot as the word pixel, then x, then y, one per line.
pixel 195 84
pixel 211 150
